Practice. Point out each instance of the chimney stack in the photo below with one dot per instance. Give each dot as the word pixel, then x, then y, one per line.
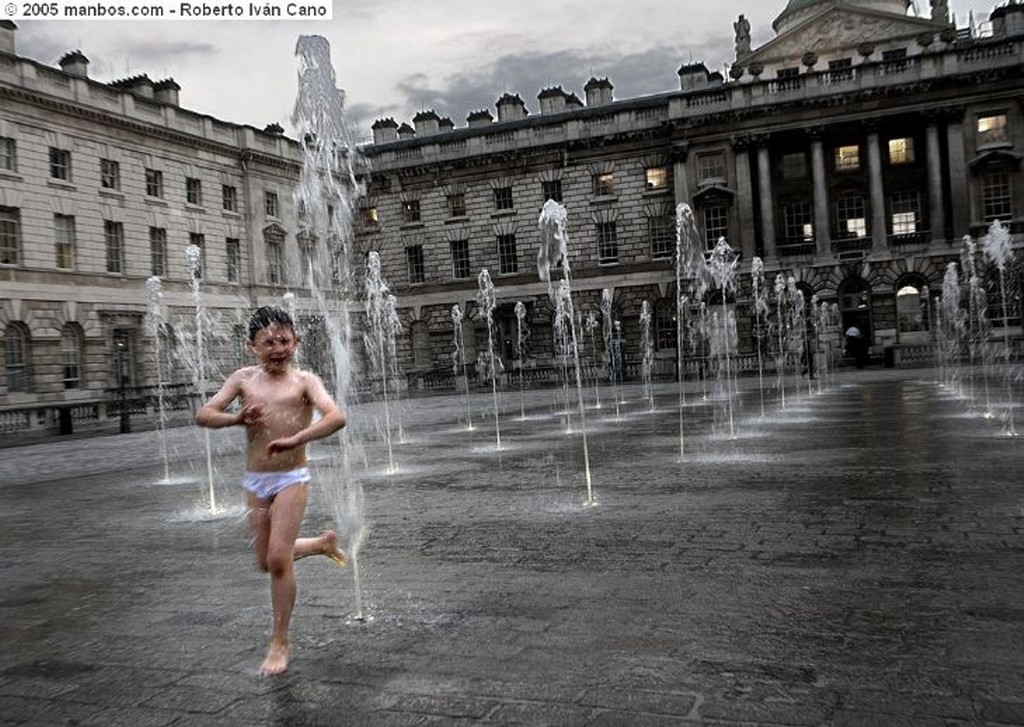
pixel 385 130
pixel 75 64
pixel 7 31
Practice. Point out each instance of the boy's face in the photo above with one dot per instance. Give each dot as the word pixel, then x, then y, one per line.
pixel 275 346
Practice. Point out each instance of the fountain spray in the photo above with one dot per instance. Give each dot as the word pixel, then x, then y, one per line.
pixel 997 249
pixel 155 327
pixel 194 258
pixel 521 332
pixel 554 248
pixel 487 305
pixel 459 360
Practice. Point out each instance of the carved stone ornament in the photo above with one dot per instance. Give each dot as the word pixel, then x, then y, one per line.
pixel 809 59
pixel 756 68
pixel 866 49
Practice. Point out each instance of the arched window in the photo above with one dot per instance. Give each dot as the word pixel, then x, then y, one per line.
pixel 911 306
pixel 71 355
pixel 855 306
pixel 17 357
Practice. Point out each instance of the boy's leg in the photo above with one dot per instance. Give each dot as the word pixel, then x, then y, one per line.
pixel 285 518
pixel 258 515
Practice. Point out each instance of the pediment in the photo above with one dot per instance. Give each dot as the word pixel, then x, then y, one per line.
pixel 838 28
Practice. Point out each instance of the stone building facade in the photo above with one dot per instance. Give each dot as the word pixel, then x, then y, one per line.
pixel 103 186
pixel 853 152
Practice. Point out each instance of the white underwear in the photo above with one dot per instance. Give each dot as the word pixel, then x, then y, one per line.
pixel 266 485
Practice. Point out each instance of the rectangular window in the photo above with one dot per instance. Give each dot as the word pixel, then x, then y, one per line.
pixel 457 205
pixel 229 197
pixel 64 241
pixel 794 166
pixel 661 231
pixel 199 240
pixel 847 158
pixel 110 174
pixel 460 259
pixel 901 151
pixel 656 178
pixel 503 198
pixel 113 236
pixel 604 184
pixel 992 130
pixel 270 206
pixel 158 251
pixel 607 243
pixel 193 191
pixel 10 236
pixel 414 263
pixel 996 196
pixel 410 210
pixel 840 69
pixel 788 78
pixel 551 189
pixel 799 223
pixel 233 249
pixel 711 167
pixel 60 164
pixel 508 261
pixel 716 225
pixel 906 208
pixel 8 158
pixel 275 262
pixel 850 218
pixel 154 183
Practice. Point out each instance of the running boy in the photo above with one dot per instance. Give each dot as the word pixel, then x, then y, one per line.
pixel 277 403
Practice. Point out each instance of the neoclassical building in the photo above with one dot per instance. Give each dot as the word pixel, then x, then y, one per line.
pixel 103 186
pixel 853 152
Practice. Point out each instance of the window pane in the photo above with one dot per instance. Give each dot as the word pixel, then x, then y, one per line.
pixel 847 158
pixel 64 239
pixel 10 230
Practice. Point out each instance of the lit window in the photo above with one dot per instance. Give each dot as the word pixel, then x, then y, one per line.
pixel 370 216
pixel 850 217
pixel 604 184
pixel 657 178
pixel 847 158
pixel 901 151
pixel 905 210
pixel 992 130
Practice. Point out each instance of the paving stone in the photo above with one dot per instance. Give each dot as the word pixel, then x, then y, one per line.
pixel 853 560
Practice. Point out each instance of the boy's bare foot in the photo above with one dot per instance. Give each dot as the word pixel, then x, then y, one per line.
pixel 329 540
pixel 276 661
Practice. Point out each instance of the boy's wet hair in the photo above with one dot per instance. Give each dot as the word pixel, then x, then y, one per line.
pixel 266 316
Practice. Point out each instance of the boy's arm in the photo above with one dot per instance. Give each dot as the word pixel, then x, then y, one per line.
pixel 331 418
pixel 213 413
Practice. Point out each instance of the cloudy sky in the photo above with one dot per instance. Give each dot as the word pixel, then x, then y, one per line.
pixel 399 57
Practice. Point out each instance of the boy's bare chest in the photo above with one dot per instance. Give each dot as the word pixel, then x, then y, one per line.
pixel 284 394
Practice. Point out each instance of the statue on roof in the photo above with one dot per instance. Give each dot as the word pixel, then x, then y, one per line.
pixel 940 11
pixel 742 28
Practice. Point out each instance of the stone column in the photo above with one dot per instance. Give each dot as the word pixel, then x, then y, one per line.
pixel 960 192
pixel 822 226
pixel 764 177
pixel 744 196
pixel 879 235
pixel 936 211
pixel 680 172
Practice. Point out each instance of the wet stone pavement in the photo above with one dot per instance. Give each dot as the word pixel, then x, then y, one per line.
pixel 854 559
